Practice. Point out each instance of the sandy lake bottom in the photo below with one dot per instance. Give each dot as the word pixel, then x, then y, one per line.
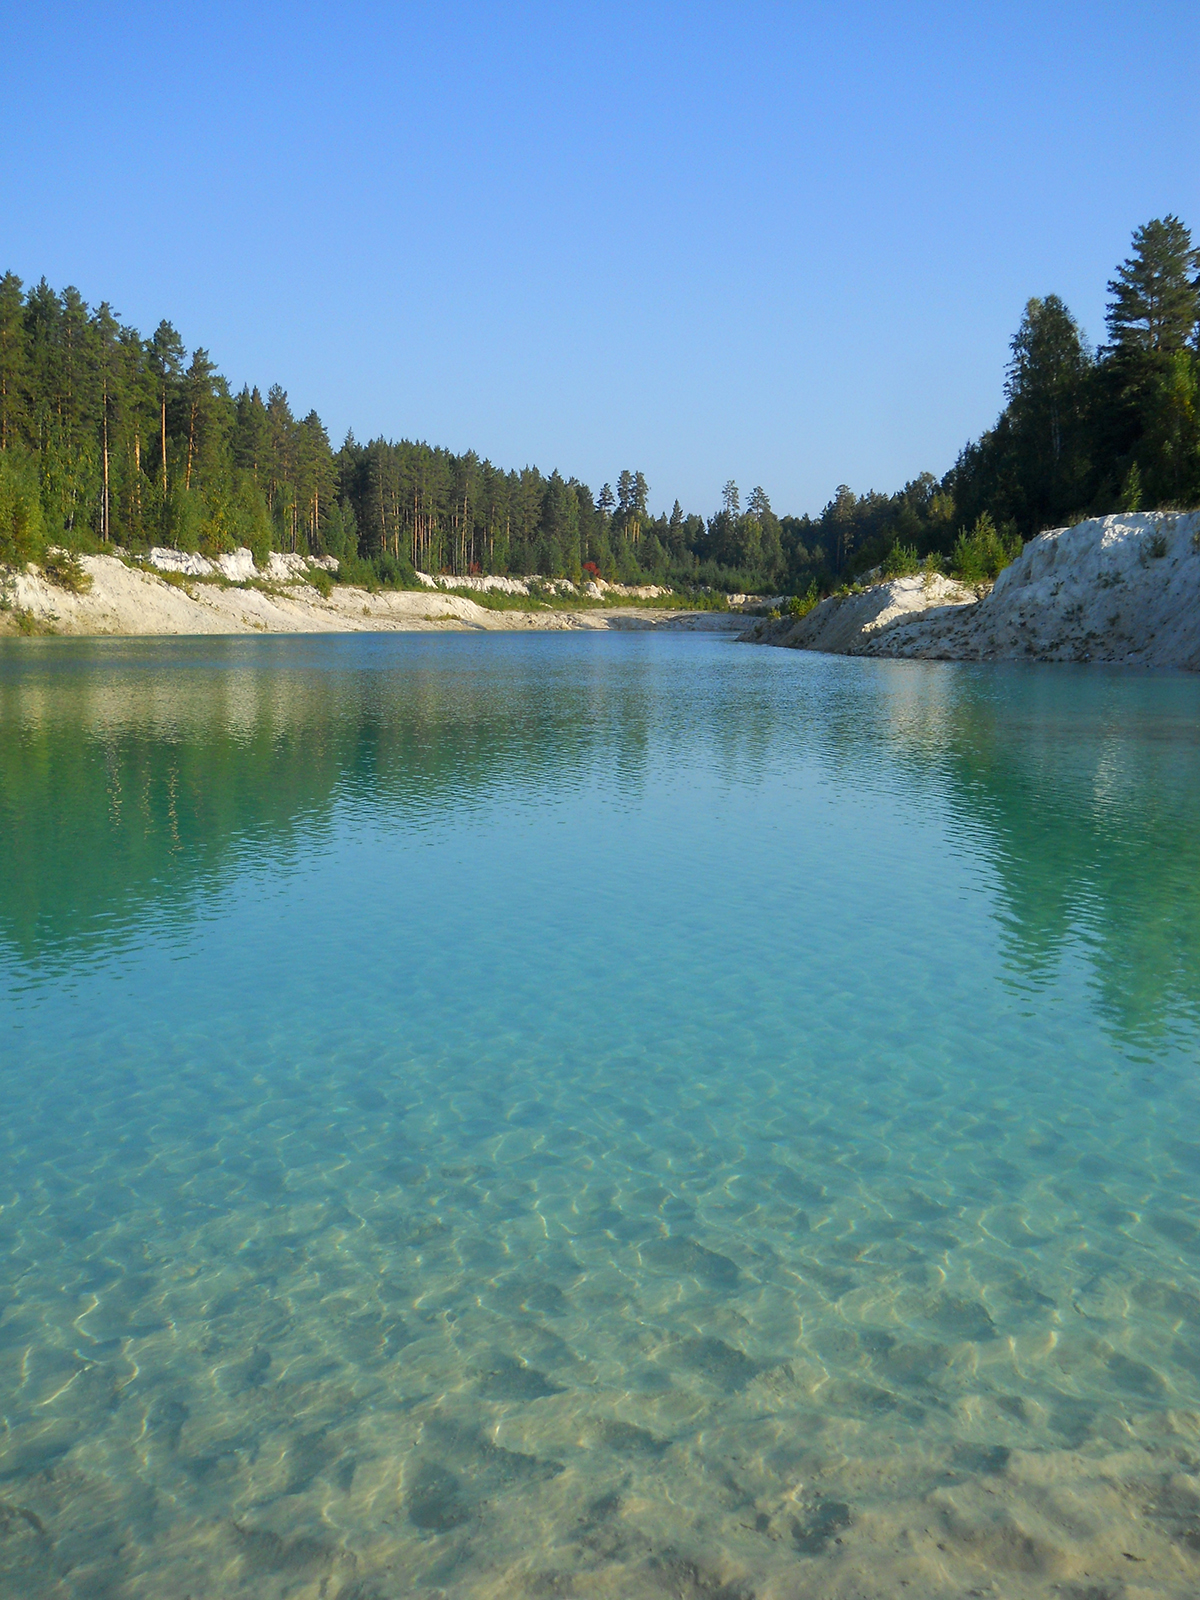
pixel 595 1115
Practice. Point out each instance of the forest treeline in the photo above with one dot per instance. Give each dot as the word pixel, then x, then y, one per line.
pixel 107 437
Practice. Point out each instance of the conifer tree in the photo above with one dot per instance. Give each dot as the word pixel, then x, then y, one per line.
pixel 1047 390
pixel 13 375
pixel 251 432
pixel 202 391
pixel 1156 300
pixel 165 357
pixel 107 331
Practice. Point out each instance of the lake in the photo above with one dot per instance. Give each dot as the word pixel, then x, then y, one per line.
pixel 595 1115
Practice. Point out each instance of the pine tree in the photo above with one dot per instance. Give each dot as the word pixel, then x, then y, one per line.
pixel 840 518
pixel 13 361
pixel 202 391
pixel 165 357
pixel 107 330
pixel 251 433
pixel 1047 387
pixel 1156 300
pixel 315 478
pixel 43 317
pixel 134 396
pixel 78 394
pixel 281 464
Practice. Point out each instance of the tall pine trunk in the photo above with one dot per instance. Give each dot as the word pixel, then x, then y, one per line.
pixel 104 508
pixel 187 476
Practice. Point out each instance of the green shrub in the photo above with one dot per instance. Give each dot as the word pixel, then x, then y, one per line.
pixel 321 581
pixel 359 573
pixel 1156 546
pixel 22 527
pixel 65 570
pixel 689 600
pixel 982 554
pixel 901 561
pixel 183 516
pixel 27 623
pixel 396 572
pixel 801 604
pixel 215 535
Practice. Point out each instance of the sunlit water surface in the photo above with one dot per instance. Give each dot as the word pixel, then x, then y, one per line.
pixel 595 1116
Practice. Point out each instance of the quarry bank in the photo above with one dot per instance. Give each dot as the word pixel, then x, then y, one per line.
pixel 1122 589
pixel 173 592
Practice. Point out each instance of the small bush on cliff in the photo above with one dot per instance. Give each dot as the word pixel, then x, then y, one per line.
pixel 801 604
pixel 1156 546
pixel 982 554
pixel 901 561
pixel 65 570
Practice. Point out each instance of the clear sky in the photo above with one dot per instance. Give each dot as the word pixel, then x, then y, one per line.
pixel 786 244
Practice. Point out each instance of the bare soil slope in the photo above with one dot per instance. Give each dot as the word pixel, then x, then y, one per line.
pixel 127 600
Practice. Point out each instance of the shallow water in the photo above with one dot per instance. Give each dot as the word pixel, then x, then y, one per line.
pixel 599 1115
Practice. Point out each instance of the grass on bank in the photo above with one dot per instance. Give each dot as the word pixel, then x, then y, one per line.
pixel 547 599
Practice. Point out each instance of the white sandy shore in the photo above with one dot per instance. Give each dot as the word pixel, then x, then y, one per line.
pixel 126 600
pixel 1123 589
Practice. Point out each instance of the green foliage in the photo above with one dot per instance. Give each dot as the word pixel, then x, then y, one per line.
pixel 177 580
pixel 799 605
pixel 1045 418
pixel 1075 427
pixel 1156 546
pixel 395 572
pixel 360 574
pixel 184 515
pixel 340 533
pixel 901 561
pixel 64 569
pixel 25 622
pixel 22 524
pixel 1172 431
pixel 321 581
pixel 982 554
pixel 253 529
pixel 1156 298
pixel 108 436
pixel 501 600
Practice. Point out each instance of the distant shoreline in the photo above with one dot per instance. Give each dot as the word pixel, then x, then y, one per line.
pixel 127 601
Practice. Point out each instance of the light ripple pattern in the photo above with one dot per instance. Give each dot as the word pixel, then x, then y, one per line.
pixel 595 1115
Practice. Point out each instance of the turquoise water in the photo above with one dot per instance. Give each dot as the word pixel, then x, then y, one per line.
pixel 595 1115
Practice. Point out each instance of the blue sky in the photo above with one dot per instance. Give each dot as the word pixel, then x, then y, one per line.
pixel 786 244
